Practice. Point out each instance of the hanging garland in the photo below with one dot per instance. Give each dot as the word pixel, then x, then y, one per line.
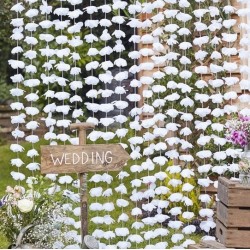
pixel 17 92
pixel 203 113
pixel 32 83
pixel 243 55
pixel 121 119
pixel 160 153
pixel 94 135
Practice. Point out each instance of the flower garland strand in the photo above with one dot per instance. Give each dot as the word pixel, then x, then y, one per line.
pixel 75 99
pixel 17 92
pixel 31 83
pixel 93 93
pixel 148 122
pixel 172 127
pixel 187 172
pixel 63 69
pixel 203 112
pixel 121 119
pixel 106 122
pixel 48 78
pixel 62 96
pixel 134 8
pixel 186 103
pixel 159 131
pixel 243 51
pixel 230 51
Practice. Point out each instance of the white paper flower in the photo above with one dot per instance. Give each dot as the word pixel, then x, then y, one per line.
pixel 175 224
pixel 123 217
pixel 185 131
pixel 17 176
pixel 187 187
pixel 149 221
pixel 16 148
pixel 230 67
pixel 207 225
pixel 33 166
pixel 65 179
pixel 123 244
pixel 135 238
pixel 161 190
pixel 96 192
pixel 204 182
pixel 122 231
pixel 206 212
pixel 187 116
pixel 229 37
pixel 215 41
pixel 32 152
pixel 108 192
pixel 204 154
pixel 175 197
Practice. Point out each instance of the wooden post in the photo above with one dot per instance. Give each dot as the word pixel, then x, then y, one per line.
pixel 114 158
pixel 82 127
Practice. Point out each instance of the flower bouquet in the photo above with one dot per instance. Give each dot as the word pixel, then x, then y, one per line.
pixel 33 218
pixel 238 133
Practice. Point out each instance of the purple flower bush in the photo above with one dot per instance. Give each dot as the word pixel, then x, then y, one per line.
pixel 238 130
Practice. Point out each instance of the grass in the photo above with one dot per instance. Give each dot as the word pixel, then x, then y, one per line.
pixel 5 179
pixel 3 242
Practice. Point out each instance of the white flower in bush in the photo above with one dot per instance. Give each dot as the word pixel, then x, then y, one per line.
pixel 25 205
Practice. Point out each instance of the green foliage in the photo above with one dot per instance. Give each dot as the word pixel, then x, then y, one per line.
pixel 5 92
pixel 5 48
pixel 14 219
pixel 193 195
pixel 4 243
pixel 5 16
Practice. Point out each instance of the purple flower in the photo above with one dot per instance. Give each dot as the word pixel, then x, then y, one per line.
pixel 239 137
pixel 1 203
pixel 244 118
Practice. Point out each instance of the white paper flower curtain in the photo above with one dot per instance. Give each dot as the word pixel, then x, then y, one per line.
pixel 180 61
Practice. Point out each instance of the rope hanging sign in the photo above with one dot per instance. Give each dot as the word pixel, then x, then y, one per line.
pixel 81 159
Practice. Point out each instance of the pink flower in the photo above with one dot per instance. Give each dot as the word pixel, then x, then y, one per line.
pixel 244 118
pixel 239 137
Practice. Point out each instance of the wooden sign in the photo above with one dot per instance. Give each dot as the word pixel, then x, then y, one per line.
pixel 80 159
